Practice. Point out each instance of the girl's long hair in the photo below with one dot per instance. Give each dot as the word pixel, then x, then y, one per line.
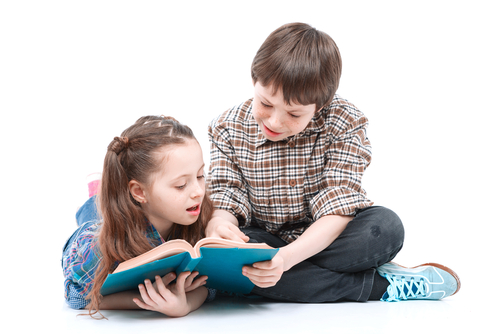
pixel 132 156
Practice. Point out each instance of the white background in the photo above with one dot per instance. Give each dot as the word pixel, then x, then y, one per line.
pixel 74 74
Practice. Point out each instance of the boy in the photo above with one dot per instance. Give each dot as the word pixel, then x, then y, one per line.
pixel 287 165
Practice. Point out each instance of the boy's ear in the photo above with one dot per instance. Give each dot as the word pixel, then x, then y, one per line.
pixel 137 191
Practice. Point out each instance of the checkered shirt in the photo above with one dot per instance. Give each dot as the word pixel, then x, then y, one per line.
pixel 285 186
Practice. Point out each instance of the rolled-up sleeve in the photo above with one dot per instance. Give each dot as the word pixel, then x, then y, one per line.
pixel 226 185
pixel 347 155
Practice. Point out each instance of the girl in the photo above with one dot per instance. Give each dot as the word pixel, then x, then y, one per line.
pixel 152 190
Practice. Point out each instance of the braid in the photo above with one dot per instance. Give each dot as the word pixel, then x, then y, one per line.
pixel 119 144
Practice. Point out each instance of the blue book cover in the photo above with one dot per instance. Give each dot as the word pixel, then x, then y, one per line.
pixel 222 265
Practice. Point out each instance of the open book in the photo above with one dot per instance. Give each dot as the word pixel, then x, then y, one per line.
pixel 221 260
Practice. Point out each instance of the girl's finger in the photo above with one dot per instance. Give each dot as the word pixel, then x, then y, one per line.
pixel 152 292
pixel 145 295
pixel 142 304
pixel 190 279
pixel 181 280
pixel 202 280
pixel 162 289
pixel 169 278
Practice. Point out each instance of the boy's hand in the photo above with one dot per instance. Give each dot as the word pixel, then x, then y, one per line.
pixel 316 238
pixel 220 228
pixel 267 273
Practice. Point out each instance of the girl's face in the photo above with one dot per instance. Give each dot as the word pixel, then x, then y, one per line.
pixel 276 119
pixel 177 191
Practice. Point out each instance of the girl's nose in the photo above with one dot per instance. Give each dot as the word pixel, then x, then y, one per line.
pixel 199 190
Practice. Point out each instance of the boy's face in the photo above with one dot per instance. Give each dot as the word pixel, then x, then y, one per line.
pixel 276 119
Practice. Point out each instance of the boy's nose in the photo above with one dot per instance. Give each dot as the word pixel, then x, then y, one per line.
pixel 275 121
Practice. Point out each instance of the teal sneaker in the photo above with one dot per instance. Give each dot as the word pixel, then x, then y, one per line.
pixel 430 281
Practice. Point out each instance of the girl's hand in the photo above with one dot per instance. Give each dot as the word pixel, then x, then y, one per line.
pixel 170 300
pixel 190 284
pixel 267 273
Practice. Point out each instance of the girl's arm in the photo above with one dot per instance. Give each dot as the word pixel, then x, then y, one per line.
pixel 120 301
pixel 186 287
pixel 315 239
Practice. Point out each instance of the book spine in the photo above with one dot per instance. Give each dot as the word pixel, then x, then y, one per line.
pixel 188 264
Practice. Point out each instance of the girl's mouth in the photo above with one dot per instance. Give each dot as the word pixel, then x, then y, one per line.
pixel 194 210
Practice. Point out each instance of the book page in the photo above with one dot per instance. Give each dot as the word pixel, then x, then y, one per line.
pixel 169 248
pixel 224 243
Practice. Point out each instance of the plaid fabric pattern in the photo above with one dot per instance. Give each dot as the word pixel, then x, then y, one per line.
pixel 285 186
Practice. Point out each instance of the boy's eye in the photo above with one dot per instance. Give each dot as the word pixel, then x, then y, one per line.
pixel 201 176
pixel 294 116
pixel 265 105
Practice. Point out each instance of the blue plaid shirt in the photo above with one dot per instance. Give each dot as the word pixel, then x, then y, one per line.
pixel 81 259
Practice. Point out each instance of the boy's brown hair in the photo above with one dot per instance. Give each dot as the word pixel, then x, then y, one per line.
pixel 301 61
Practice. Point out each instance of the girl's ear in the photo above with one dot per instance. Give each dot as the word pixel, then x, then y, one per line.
pixel 137 191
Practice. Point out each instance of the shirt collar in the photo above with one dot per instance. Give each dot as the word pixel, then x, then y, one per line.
pixel 317 123
pixel 154 237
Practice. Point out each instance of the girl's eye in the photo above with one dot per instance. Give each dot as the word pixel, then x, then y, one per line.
pixel 181 187
pixel 201 177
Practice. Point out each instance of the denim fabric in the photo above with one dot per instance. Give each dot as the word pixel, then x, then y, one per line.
pixel 345 270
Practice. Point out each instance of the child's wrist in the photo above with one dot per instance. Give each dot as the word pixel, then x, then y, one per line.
pixel 285 254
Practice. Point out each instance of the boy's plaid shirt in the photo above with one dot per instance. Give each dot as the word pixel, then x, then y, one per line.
pixel 285 186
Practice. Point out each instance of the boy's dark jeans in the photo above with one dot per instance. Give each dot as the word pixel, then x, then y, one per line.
pixel 345 270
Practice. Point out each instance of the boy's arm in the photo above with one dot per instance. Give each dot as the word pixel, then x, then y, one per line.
pixel 315 239
pixel 225 225
pixel 226 188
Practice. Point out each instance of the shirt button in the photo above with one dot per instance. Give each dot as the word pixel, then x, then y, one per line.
pixel 291 144
pixel 293 183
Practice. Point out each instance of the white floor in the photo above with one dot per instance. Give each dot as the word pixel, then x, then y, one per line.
pixel 229 315
pixel 469 310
